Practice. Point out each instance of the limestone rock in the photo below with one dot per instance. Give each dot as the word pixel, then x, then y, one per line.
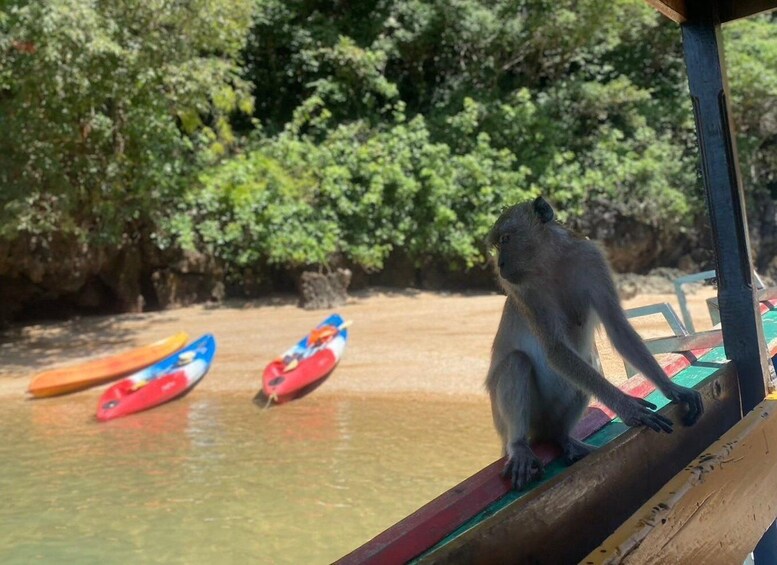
pixel 320 291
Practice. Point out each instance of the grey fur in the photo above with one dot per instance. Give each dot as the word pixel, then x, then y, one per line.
pixel 542 370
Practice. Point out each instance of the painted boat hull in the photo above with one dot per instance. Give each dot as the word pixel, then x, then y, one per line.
pixel 281 384
pixel 164 381
pixel 99 371
pixel 480 493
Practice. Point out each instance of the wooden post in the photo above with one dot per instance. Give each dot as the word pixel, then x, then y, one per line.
pixel 739 314
pixel 740 322
pixel 714 510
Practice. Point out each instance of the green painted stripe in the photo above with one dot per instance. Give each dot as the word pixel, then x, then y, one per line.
pixel 697 373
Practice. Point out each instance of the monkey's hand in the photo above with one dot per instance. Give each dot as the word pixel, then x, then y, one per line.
pixel 522 465
pixel 639 412
pixel 691 398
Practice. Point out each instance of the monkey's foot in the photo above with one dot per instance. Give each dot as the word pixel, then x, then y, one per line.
pixel 575 450
pixel 522 465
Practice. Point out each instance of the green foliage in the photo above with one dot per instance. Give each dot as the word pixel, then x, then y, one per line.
pixel 359 193
pixel 641 173
pixel 291 133
pixel 751 59
pixel 251 210
pixel 557 86
pixel 90 97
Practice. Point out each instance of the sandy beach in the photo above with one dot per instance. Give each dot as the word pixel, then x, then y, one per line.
pixel 402 341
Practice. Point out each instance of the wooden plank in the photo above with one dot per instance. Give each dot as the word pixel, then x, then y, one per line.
pixel 731 10
pixel 714 510
pixel 673 9
pixel 681 11
pixel 563 519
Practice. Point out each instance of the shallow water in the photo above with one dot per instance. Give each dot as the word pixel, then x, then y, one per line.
pixel 213 477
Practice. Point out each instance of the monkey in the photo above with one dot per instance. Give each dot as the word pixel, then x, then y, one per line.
pixel 542 373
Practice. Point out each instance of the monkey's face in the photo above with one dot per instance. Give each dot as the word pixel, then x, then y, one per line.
pixel 519 236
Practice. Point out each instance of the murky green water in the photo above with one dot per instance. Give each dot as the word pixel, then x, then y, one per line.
pixel 209 479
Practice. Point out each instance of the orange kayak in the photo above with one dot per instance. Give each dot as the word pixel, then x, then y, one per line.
pixel 91 373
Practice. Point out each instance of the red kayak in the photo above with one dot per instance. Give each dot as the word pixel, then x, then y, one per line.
pixel 306 365
pixel 172 377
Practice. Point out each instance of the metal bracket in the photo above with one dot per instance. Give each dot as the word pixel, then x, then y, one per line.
pixel 678 344
pixel 680 292
pixel 764 294
pixel 665 309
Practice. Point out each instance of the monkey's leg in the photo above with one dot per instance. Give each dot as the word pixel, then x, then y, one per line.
pixel 575 450
pixel 510 385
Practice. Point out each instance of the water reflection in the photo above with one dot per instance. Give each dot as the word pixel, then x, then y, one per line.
pixel 208 477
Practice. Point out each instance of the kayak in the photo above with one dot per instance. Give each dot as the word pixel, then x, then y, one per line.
pixel 304 366
pixel 98 371
pixel 162 382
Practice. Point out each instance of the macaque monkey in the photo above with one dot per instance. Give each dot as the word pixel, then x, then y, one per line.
pixel 542 370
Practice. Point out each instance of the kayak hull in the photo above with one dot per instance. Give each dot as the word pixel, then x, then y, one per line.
pixel 162 382
pixel 99 371
pixel 313 365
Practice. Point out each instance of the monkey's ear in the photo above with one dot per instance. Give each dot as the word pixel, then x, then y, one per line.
pixel 543 210
pixel 491 238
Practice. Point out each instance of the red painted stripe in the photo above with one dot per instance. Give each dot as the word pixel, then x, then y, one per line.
pixel 640 387
pixel 432 522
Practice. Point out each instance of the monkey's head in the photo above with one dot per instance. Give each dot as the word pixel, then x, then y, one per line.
pixel 521 236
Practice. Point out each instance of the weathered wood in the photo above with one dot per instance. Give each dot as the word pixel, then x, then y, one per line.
pixel 714 510
pixel 731 10
pixel 681 11
pixel 672 9
pixel 564 519
pixel 740 322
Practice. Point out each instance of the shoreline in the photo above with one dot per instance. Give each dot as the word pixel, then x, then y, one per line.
pixel 408 343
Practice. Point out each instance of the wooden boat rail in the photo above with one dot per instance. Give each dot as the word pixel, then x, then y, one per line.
pixel 566 515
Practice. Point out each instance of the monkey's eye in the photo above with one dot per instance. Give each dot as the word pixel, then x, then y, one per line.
pixel 504 238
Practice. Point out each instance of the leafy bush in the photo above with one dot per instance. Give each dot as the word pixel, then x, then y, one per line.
pixel 104 107
pixel 360 193
pixel 251 210
pixel 289 134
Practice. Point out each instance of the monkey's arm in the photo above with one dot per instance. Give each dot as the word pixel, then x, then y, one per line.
pixel 632 410
pixel 629 344
pixel 563 359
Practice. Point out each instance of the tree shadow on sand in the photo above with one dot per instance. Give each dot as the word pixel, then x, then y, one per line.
pixel 26 349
